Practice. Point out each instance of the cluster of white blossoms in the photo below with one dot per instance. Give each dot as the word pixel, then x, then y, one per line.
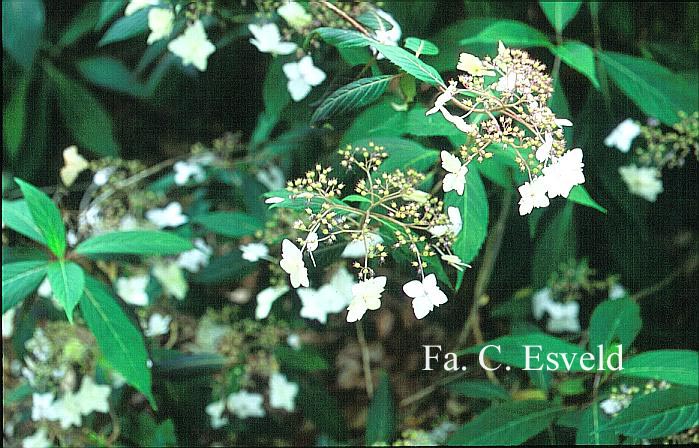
pixel 244 404
pixel 562 317
pixel 71 407
pixel 193 46
pixel 517 119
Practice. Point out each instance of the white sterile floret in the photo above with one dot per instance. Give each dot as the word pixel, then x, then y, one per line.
pixel 302 75
pixel 160 22
pixel 195 259
pixel 386 36
pixel 282 392
pixel 357 249
pixel 544 151
pixel 272 178
pixel 245 404
pixel 38 440
pixel 295 15
pixel 473 66
pixel 507 83
pixel 454 226
pixel 158 325
pixel 330 298
pixel 533 195
pixel 366 295
pixel 565 173
pixel 188 170
pixel 623 135
pixel 133 289
pixel 8 322
pixel 455 262
pixel 170 276
pixel 253 252
pixel 541 300
pixel 266 298
pixel 137 5
pixel 268 39
pixel 562 122
pixel 611 406
pixel 93 397
pixel 425 294
pixel 193 46
pixel 67 410
pixel 101 177
pixel 563 318
pixel 292 263
pixel 215 412
pixel 74 164
pixel 642 181
pixel 170 216
pixel 443 99
pixel 42 406
pixel 456 173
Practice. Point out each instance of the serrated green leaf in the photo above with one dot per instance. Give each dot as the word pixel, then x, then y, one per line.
pixel 615 321
pixel 126 27
pixel 673 366
pixel 22 29
pixel 110 73
pixel 578 56
pixel 473 206
pixel 560 13
pixel 510 423
pixel 411 64
pixel 421 46
pixel 16 216
pixel 344 38
pixel 373 20
pixel 352 96
pixel 588 432
pixel 67 283
pixel 579 195
pixel 554 245
pixel 302 359
pixel 119 340
pixel 231 224
pixel 482 389
pixel 20 279
pixel 657 91
pixel 83 114
pixel 135 242
pixel 658 414
pixel 511 33
pixel 46 216
pixel 381 418
pixel 15 116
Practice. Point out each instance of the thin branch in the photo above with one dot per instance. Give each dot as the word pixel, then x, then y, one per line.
pixel 344 15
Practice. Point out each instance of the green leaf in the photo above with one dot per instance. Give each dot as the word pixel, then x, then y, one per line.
pixel 67 283
pixel 473 205
pixel 512 352
pixel 381 417
pixel 231 224
pixel 555 245
pixel 673 366
pixel 511 33
pixel 344 38
pixel 579 195
pixel 22 29
pixel 482 389
pixel 230 266
pixel 352 96
pixel 83 114
pixel 510 423
pixel 411 64
pixel 119 340
pixel 321 407
pixel 135 242
pixel 110 73
pixel 356 198
pixel 578 56
pixel 373 20
pixel 81 24
pixel 588 433
pixel 657 91
pixel 126 27
pixel 108 9
pixel 15 115
pixel 615 321
pixel 46 216
pixel 19 280
pixel 303 359
pixel 401 153
pixel 559 13
pixel 16 216
pixel 421 46
pixel 657 414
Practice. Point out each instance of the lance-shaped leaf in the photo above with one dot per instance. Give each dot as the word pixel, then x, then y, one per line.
pixel 344 38
pixel 578 56
pixel 381 419
pixel 16 216
pixel 126 27
pixel 473 205
pixel 411 64
pixel 134 242
pixel 46 216
pixel 511 33
pixel 19 280
pixel 351 97
pixel 673 366
pixel 560 13
pixel 421 46
pixel 615 321
pixel 67 283
pixel 232 224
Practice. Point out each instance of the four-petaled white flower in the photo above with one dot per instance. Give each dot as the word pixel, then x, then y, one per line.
pixel 454 226
pixel 312 241
pixel 507 83
pixel 565 173
pixel 330 298
pixel 137 5
pixel 357 248
pixel 282 392
pixel 215 412
pixel 8 323
pixel 195 259
pixel 292 263
pixel 74 164
pixel 366 295
pixel 473 66
pixel 42 406
pixel 533 195
pixel 68 410
pixel 425 294
pixel 611 406
pixel 193 46
pixel 93 397
pixel 544 151
pixel 160 22
pixel 302 75
pixel 268 39
pixel 443 99
pixel 245 404
pixel 133 289
pixel 158 325
pixel 254 251
pixel 295 15
pixel 623 135
pixel 188 170
pixel 642 181
pixel 266 298
pixel 563 318
pixel 456 173
pixel 170 216
pixel 38 440
pixel 170 276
